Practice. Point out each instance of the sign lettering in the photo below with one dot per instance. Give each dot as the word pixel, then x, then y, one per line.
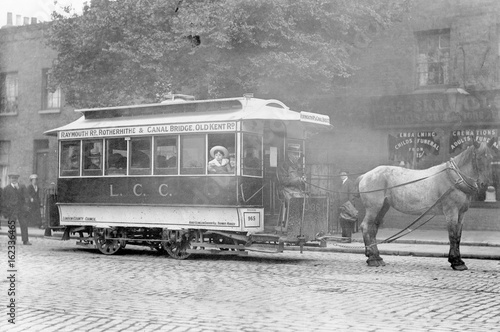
pixel 149 130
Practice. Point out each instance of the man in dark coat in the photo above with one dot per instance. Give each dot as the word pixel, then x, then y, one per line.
pixel 14 206
pixel 33 198
pixel 1 190
pixel 289 174
pixel 346 194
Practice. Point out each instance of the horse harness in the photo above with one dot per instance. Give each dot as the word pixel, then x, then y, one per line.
pixel 464 182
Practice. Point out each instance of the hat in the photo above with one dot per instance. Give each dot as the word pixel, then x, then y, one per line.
pixel 220 148
pixel 294 148
pixel 13 176
pixel 33 176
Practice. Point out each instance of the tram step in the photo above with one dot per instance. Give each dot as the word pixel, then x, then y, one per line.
pixel 217 252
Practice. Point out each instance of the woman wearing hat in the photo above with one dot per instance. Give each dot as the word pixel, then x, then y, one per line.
pixel 33 192
pixel 220 163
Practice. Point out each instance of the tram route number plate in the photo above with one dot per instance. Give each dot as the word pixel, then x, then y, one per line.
pixel 252 219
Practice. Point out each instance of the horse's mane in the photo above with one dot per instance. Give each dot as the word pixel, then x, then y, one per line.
pixel 467 155
pixel 464 156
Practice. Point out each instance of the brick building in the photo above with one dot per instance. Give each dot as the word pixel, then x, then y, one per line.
pixel 423 89
pixel 27 107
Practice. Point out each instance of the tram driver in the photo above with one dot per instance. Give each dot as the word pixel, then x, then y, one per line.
pixel 220 164
pixel 290 176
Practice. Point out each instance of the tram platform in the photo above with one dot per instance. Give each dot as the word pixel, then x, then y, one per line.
pixel 424 243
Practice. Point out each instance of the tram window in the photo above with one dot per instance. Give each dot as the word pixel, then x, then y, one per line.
pixel 92 157
pixel 116 156
pixel 252 155
pixel 193 154
pixel 165 155
pixel 70 158
pixel 226 144
pixel 140 155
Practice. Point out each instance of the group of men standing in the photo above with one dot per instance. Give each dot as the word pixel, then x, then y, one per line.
pixel 21 204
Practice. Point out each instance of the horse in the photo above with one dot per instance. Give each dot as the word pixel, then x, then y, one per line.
pixel 445 189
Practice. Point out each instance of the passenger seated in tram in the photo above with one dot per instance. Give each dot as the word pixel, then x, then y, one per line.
pixel 172 161
pixel 93 161
pixel 117 161
pixel 250 160
pixel 232 163
pixel 220 163
pixel 161 161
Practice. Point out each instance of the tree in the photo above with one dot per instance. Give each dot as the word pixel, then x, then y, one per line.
pixel 137 51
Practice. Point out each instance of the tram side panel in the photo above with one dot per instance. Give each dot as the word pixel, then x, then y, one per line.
pixel 187 202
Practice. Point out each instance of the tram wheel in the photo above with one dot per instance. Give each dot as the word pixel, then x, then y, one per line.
pixel 106 246
pixel 176 243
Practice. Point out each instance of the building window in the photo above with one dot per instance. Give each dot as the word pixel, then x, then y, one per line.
pixel 4 152
pixel 433 57
pixel 50 99
pixel 8 93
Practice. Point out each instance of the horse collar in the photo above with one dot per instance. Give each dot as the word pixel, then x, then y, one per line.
pixel 464 182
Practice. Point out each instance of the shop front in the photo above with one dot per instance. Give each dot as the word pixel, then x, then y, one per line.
pixel 427 129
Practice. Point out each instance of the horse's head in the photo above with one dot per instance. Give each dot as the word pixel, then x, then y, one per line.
pixel 483 156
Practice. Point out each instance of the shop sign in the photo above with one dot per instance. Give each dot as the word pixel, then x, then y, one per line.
pixel 461 139
pixel 404 145
pixel 435 109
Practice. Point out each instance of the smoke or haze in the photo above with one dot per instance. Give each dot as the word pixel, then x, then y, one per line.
pixel 40 9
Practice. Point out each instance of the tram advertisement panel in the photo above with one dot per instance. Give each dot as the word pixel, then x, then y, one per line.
pixel 180 128
pixel 142 190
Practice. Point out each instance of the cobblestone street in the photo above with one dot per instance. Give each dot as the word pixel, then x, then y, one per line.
pixel 63 287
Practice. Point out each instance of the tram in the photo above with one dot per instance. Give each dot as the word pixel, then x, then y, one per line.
pixel 142 175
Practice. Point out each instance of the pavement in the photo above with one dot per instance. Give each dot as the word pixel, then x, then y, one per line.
pixel 424 243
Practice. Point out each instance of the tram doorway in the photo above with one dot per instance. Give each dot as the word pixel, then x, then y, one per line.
pixel 274 142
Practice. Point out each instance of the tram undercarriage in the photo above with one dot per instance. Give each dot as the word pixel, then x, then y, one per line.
pixel 179 244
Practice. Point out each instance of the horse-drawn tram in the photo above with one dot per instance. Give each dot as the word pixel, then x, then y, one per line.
pixel 185 176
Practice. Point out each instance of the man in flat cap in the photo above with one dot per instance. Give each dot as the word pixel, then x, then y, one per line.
pixel 291 185
pixel 33 197
pixel 290 175
pixel 13 206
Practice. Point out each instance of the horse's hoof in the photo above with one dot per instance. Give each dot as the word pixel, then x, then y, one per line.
pixel 461 267
pixel 375 262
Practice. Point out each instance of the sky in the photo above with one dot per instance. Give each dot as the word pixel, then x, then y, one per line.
pixel 41 9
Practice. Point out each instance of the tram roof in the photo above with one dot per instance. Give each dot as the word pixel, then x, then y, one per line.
pixel 173 112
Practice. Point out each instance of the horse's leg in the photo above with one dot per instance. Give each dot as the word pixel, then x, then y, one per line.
pixel 369 227
pixel 455 234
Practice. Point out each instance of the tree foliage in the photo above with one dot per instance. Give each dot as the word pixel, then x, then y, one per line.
pixel 137 51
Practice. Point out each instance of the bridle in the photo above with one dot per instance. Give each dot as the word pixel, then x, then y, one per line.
pixel 464 182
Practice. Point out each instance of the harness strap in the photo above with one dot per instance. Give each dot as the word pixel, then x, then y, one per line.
pixel 464 181
pixel 381 189
pixel 398 234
